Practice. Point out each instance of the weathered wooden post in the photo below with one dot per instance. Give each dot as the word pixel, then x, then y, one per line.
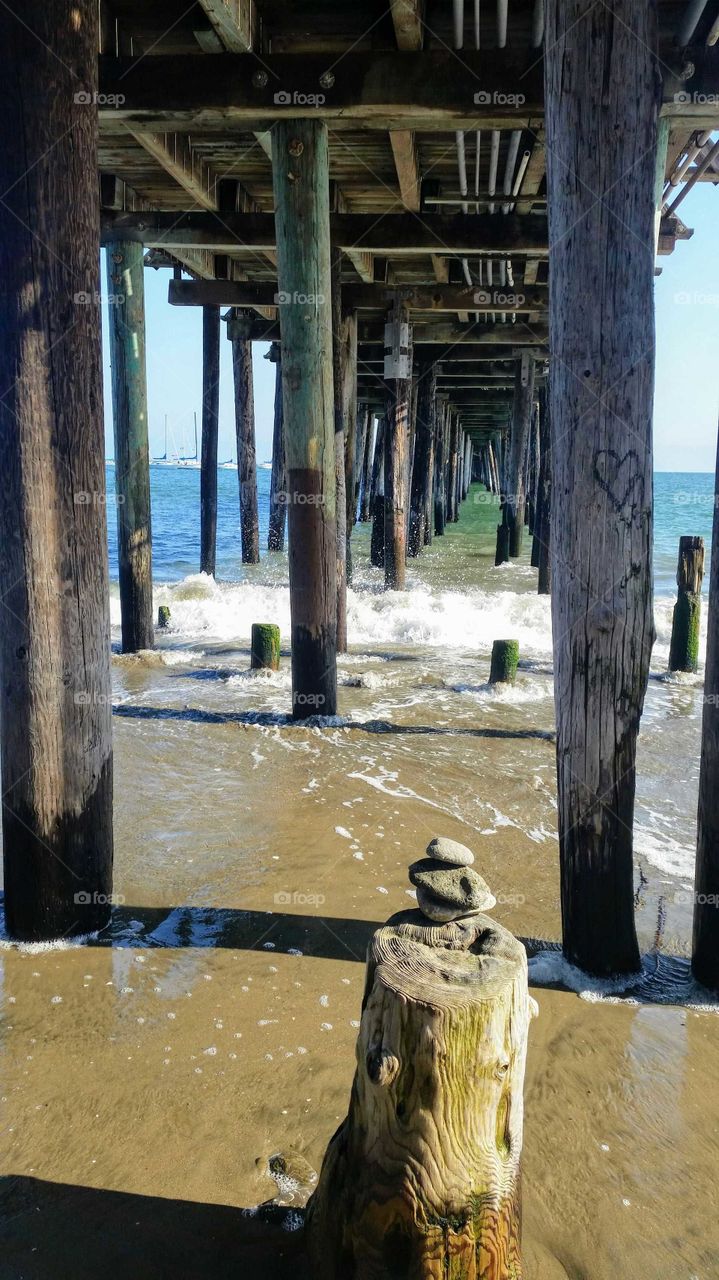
pixel 364 422
pixel 452 515
pixel 422 1179
pixel 377 539
pixel 302 219
pixel 126 321
pixel 350 415
pixel 705 948
pixel 440 467
pixel 398 371
pixel 505 660
pixel 238 332
pixel 55 696
pixel 278 477
pixel 519 439
pixel 365 497
pixel 684 648
pixel 340 355
pixel 422 469
pixel 544 562
pixel 264 647
pixel 601 129
pixel 163 617
pixel 210 423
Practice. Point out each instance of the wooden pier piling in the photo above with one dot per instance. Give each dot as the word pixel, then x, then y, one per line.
pixel 601 390
pixel 705 945
pixel 518 443
pixel 126 323
pixel 55 708
pixel 684 648
pixel 278 477
pixel 265 647
pixel 210 423
pixel 396 464
pixel 423 458
pixel 238 330
pixel 302 218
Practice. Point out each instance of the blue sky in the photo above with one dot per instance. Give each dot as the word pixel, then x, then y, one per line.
pixel 687 388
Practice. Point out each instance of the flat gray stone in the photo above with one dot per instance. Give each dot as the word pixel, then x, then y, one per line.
pixel 446 850
pixel 439 911
pixel 458 889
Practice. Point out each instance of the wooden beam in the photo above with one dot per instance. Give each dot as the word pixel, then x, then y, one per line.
pixel 368 297
pixel 174 153
pixel 425 90
pixel 404 150
pixel 234 22
pixel 393 235
pixel 407 17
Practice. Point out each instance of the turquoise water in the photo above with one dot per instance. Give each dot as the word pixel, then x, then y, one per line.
pixel 683 505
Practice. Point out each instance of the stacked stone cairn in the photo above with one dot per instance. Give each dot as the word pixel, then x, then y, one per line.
pixel 447 886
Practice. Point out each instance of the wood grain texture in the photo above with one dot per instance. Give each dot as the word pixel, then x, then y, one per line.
pixel 126 326
pixel 705 943
pixel 602 91
pixel 301 184
pixel 422 1178
pixel 55 630
pixel 245 437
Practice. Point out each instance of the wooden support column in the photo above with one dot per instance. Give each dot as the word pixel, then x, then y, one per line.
pixel 378 499
pixel 278 478
pixel 55 693
pixel 705 947
pixel 396 475
pixel 210 422
pixel 421 470
pixel 364 423
pixel 365 495
pixel 302 218
pixel 126 321
pixel 440 470
pixel 340 342
pixel 238 328
pixel 350 415
pixel 544 562
pixel 519 440
pixel 452 516
pixel 601 110
pixel 428 514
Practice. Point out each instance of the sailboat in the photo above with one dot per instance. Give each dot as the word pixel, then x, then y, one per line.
pixel 164 461
pixel 227 466
pixel 194 460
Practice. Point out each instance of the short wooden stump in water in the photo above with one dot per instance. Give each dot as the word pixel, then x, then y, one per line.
pixel 422 1180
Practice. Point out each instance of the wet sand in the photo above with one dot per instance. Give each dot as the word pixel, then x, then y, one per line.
pixel 147 1079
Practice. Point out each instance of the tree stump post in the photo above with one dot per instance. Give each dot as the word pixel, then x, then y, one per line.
pixel 265 647
pixel 684 648
pixel 422 1179
pixel 55 693
pixel 705 946
pixel 210 423
pixel 300 169
pixel 602 104
pixel 278 477
pixel 126 323
pixel 238 332
pixel 505 660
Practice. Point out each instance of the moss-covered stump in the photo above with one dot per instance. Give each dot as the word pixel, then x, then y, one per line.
pixel 163 616
pixel 505 660
pixel 265 646
pixel 684 649
pixel 422 1180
